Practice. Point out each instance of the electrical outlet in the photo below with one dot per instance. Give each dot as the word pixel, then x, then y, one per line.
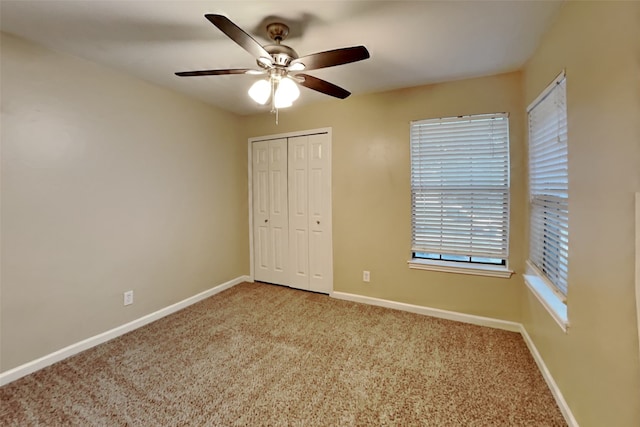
pixel 128 298
pixel 366 276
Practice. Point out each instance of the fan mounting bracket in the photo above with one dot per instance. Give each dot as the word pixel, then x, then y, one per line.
pixel 277 31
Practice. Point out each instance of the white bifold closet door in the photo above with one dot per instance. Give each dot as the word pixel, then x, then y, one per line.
pixel 299 205
pixel 310 257
pixel 270 211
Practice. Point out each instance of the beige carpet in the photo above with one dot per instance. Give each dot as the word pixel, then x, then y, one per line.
pixel 268 355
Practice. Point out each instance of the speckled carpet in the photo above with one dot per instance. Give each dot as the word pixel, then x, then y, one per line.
pixel 267 355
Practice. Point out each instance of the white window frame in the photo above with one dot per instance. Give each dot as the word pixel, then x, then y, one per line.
pixel 491 184
pixel 546 252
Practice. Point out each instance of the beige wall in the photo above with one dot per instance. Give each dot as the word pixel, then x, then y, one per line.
pixel 596 364
pixel 371 192
pixel 108 184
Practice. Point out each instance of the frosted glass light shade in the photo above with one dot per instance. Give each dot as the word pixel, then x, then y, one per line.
pixel 286 93
pixel 260 91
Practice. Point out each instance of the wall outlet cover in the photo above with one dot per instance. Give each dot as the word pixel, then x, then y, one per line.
pixel 128 298
pixel 366 276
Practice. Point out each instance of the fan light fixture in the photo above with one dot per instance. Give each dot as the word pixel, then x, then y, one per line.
pixel 281 90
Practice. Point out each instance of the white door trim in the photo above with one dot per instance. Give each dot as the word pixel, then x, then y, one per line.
pixel 327 130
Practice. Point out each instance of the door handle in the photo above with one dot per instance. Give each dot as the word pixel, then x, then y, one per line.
pixel 266 220
pixel 318 222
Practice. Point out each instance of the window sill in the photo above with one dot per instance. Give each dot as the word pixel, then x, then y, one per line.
pixel 461 268
pixel 549 299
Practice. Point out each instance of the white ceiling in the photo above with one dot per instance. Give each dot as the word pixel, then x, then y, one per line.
pixel 411 42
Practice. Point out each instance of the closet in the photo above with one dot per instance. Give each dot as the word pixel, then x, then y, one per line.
pixel 291 211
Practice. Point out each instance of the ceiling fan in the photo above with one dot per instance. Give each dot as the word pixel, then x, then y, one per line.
pixel 281 64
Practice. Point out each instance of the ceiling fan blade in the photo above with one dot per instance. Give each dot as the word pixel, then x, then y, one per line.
pixel 331 58
pixel 322 86
pixel 236 34
pixel 216 72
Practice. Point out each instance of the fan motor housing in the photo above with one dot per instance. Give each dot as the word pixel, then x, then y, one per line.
pixel 281 54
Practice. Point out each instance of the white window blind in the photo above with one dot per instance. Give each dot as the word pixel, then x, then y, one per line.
pixel 549 184
pixel 460 186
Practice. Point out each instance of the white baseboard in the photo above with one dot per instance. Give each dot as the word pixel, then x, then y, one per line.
pixel 557 394
pixel 433 312
pixel 29 367
pixel 475 320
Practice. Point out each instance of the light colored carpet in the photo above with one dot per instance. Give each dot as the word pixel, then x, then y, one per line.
pixel 268 355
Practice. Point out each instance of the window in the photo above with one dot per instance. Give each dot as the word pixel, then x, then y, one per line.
pixel 460 192
pixel 549 185
pixel 547 268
